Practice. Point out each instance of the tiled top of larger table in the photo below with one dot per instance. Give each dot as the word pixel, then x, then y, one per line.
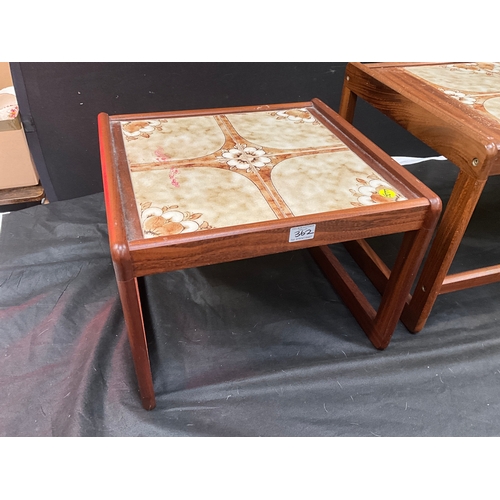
pixel 203 172
pixel 476 85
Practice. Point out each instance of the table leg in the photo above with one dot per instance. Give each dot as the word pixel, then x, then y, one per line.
pixel 132 311
pixel 459 210
pixel 378 325
pixel 347 103
pixel 456 217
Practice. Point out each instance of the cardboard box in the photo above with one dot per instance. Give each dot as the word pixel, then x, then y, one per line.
pixel 5 76
pixel 17 168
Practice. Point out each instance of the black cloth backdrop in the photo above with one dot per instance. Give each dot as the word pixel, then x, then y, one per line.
pixel 261 347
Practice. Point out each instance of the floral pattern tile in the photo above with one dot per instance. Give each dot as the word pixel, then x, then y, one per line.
pixel 224 199
pixel 204 172
pixel 165 221
pixel 474 84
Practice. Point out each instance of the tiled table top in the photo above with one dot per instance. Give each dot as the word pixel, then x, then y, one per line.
pixel 195 173
pixel 476 85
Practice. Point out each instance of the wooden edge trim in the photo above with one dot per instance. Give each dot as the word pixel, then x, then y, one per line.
pixel 121 168
pixel 210 111
pixel 116 225
pixel 398 64
pixel 238 246
pixel 283 224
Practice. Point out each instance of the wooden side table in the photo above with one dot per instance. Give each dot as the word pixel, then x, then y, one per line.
pixel 192 188
pixel 455 109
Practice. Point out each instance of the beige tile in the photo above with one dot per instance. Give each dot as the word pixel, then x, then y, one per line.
pixel 290 129
pixel 330 181
pixel 492 106
pixel 218 198
pixel 171 139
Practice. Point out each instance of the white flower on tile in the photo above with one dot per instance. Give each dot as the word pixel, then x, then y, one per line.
pixel 140 128
pixel 167 221
pixel 299 115
pixel 460 96
pixel 375 191
pixel 243 157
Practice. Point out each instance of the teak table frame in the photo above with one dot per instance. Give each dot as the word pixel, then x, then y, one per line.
pixel 468 138
pixel 134 256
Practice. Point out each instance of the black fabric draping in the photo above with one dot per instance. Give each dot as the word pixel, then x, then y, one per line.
pixel 260 347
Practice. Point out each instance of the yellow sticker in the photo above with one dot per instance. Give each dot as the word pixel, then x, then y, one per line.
pixel 387 193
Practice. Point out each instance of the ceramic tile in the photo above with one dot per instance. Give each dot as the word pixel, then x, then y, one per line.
pixel 330 181
pixel 170 205
pixel 287 129
pixel 476 85
pixel 150 142
pixel 199 173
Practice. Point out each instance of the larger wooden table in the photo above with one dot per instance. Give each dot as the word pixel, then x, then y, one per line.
pixel 455 109
pixel 192 188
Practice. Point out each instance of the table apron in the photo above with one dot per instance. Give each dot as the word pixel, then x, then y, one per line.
pixel 157 259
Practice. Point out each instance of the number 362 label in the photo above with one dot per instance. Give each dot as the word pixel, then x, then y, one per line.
pixel 302 233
